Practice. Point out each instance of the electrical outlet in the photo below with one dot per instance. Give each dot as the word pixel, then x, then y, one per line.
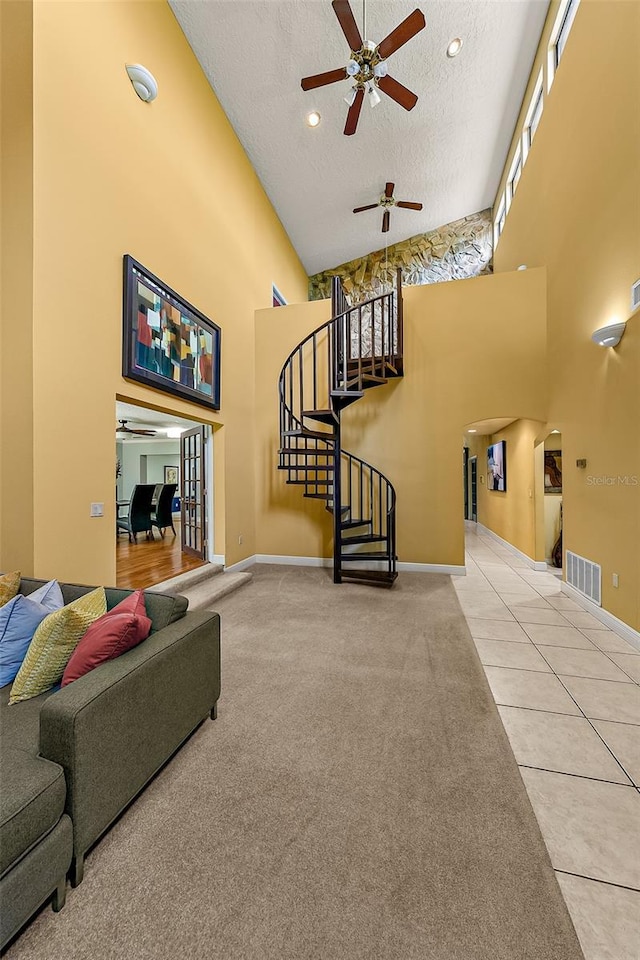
pixel 614 579
pixel 97 510
pixel 240 540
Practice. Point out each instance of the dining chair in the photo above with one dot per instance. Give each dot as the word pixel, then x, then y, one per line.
pixel 138 520
pixel 163 517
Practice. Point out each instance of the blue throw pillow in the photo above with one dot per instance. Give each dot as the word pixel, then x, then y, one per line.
pixel 18 622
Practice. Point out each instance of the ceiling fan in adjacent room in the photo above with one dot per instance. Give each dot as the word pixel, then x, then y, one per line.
pixel 386 201
pixel 367 66
pixel 123 428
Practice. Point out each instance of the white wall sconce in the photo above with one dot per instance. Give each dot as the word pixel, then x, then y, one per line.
pixel 143 81
pixel 609 336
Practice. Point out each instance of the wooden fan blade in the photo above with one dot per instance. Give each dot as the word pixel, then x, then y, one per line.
pixel 398 92
pixel 370 206
pixel 408 204
pixel 348 23
pixel 322 79
pixel 354 114
pixel 413 24
pixel 385 221
pixel 388 190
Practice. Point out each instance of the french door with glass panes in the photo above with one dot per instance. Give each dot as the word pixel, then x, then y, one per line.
pixel 193 492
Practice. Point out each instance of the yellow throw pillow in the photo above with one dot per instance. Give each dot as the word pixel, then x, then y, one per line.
pixel 9 586
pixel 53 643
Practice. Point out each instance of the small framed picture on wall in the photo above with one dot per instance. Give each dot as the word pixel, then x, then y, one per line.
pixel 171 475
pixel 497 466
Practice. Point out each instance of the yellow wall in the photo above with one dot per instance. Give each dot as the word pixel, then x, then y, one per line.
pixel 169 183
pixel 16 287
pixel 576 211
pixel 474 349
pixel 287 524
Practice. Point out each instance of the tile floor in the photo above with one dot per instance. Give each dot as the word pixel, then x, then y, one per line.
pixel 567 690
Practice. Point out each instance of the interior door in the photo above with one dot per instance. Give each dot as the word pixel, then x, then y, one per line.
pixel 193 492
pixel 473 463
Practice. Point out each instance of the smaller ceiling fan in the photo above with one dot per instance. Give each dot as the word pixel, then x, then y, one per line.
pixel 123 428
pixel 367 65
pixel 386 201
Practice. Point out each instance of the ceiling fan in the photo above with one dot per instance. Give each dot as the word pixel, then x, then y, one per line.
pixel 386 201
pixel 367 66
pixel 123 428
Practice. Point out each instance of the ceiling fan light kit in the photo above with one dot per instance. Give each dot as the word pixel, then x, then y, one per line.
pixel 367 66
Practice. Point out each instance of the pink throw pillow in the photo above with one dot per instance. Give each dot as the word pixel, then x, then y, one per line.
pixel 117 631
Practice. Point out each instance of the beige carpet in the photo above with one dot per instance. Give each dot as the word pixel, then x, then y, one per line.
pixel 356 798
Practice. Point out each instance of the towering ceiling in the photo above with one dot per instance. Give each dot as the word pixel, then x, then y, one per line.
pixel 448 152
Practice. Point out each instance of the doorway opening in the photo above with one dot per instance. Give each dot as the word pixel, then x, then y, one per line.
pixel 552 499
pixel 164 494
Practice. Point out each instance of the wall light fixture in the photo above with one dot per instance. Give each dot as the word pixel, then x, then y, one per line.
pixel 143 81
pixel 609 336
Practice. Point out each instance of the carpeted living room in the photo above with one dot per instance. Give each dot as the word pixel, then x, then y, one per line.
pixel 356 795
pixel 385 703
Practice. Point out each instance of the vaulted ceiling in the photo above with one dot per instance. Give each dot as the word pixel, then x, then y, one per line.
pixel 448 152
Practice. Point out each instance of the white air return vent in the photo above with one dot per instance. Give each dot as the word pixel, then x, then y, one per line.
pixel 635 295
pixel 585 576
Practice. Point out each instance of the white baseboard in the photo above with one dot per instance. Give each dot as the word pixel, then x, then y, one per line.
pixel 217 558
pixel 454 570
pixel 240 565
pixel 613 623
pixel 294 561
pixel 534 564
pixel 451 569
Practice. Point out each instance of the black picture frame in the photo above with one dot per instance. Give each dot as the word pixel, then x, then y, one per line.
pixel 497 466
pixel 177 351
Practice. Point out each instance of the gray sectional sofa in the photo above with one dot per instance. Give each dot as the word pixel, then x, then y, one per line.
pixel 73 759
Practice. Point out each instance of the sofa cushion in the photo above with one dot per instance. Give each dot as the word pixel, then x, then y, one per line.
pixel 19 619
pixel 106 639
pixel 31 802
pixel 53 643
pixel 162 608
pixel 9 586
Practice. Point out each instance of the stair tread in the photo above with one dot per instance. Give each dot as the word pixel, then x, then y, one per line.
pixel 385 577
pixel 368 555
pixel 322 416
pixel 365 538
pixel 305 451
pixel 347 524
pixel 312 434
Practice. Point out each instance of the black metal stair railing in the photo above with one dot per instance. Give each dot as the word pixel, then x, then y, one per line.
pixel 360 347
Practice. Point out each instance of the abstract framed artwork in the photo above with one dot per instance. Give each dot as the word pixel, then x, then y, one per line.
pixel 171 475
pixel 553 471
pixel 497 466
pixel 167 343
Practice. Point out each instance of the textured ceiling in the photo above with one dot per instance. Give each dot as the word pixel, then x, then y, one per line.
pixel 448 152
pixel 141 417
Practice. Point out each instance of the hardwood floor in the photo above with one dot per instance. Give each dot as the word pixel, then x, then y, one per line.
pixel 147 562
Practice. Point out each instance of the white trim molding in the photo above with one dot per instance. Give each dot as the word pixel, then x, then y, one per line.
pixel 618 626
pixel 534 564
pixel 240 565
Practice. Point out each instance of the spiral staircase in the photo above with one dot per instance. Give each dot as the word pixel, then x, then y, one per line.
pixel 358 349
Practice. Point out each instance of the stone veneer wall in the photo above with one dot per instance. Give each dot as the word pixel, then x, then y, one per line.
pixel 456 251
